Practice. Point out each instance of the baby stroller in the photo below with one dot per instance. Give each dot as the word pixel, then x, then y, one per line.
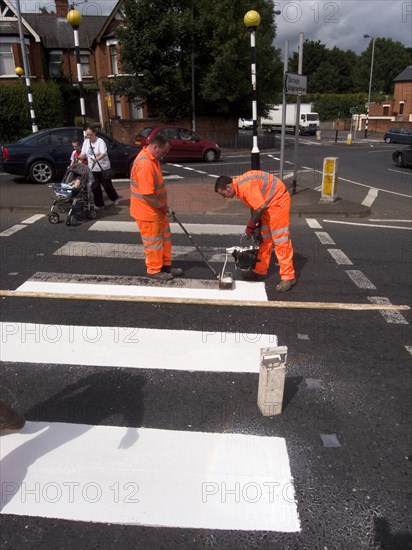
pixel 73 201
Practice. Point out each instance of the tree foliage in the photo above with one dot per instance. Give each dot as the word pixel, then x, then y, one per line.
pixel 161 40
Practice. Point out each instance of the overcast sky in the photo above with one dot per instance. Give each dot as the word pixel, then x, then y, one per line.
pixel 340 23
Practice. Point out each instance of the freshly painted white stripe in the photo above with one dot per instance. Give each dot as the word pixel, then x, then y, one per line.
pixel 403 172
pixel 173 177
pixel 144 476
pixel 34 218
pixel 367 225
pixel 390 221
pixel 192 228
pixel 135 251
pixel 360 280
pixel 370 197
pixel 339 256
pixel 409 348
pixel 12 230
pixel 242 290
pixel 393 317
pixel 313 224
pixel 318 188
pixel 324 237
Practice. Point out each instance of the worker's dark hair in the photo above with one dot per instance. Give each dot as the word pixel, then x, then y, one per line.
pixel 221 182
pixel 160 140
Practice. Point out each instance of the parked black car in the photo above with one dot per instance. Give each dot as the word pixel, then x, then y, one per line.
pixel 45 155
pixel 398 135
pixel 403 157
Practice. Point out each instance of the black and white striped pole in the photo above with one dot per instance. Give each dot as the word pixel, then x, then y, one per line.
pixel 26 70
pixel 252 21
pixel 74 18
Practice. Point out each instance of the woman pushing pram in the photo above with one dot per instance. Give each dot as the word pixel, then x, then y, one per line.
pixel 73 196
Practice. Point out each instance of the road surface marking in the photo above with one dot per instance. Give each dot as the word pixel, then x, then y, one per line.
pixel 34 218
pixel 324 237
pixel 313 224
pixel 360 280
pixel 367 225
pixel 339 256
pixel 135 251
pixel 12 230
pixel 390 221
pixel 393 317
pixel 136 348
pixel 192 228
pixel 409 348
pixel 151 477
pixel 370 197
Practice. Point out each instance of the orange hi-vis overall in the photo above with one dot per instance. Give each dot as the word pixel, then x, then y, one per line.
pixel 146 178
pixel 259 189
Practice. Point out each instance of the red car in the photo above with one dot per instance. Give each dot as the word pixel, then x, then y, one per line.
pixel 185 144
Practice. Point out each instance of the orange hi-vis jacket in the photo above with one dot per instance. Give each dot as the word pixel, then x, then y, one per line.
pixel 258 189
pixel 146 178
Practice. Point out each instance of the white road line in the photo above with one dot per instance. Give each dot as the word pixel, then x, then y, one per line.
pixel 12 230
pixel 313 224
pixel 390 221
pixel 324 237
pixel 34 218
pixel 370 197
pixel 193 228
pixel 135 348
pixel 143 476
pixel 409 348
pixel 393 317
pixel 360 280
pixel 368 225
pixel 135 251
pixel 339 256
pixel 403 172
pixel 318 188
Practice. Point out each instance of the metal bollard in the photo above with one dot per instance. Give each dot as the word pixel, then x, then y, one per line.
pixel 272 380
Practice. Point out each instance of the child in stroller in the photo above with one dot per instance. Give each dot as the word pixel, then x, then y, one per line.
pixel 73 195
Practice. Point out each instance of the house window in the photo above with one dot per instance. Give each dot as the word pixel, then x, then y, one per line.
pixel 401 107
pixel 386 110
pixel 118 106
pixel 136 111
pixel 85 63
pixel 113 59
pixel 55 63
pixel 6 60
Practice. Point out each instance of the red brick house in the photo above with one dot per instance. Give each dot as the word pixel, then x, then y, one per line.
pixel 49 40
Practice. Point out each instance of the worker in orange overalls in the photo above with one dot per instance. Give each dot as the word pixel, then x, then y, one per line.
pixel 148 206
pixel 269 201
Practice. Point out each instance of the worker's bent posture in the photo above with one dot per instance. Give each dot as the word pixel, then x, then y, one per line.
pixel 269 201
pixel 148 206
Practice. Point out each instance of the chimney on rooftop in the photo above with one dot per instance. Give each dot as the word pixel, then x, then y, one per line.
pixel 62 8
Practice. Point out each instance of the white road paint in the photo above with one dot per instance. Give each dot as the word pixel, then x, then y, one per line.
pixel 135 251
pixel 192 228
pixel 368 225
pixel 360 280
pixel 390 221
pixel 339 256
pixel 143 476
pixel 313 224
pixel 136 348
pixel 34 218
pixel 370 197
pixel 12 230
pixel 324 237
pixel 409 348
pixel 393 317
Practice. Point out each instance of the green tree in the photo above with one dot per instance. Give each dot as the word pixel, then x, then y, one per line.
pixel 157 49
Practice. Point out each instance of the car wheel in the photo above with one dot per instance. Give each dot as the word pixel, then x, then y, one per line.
pixel 388 140
pixel 41 172
pixel 400 160
pixel 210 155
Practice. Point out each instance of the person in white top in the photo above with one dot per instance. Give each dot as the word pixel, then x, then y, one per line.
pixel 95 150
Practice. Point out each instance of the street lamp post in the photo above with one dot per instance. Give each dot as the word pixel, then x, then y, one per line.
pixel 251 21
pixel 74 18
pixel 370 83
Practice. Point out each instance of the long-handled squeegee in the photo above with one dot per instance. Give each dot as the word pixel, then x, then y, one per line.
pixel 225 280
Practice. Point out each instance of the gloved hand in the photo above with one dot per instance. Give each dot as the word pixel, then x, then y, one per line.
pixel 164 209
pixel 251 228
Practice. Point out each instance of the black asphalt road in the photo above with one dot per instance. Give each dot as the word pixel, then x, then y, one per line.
pixel 348 374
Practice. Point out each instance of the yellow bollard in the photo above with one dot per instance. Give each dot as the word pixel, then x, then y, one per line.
pixel 329 179
pixel 349 139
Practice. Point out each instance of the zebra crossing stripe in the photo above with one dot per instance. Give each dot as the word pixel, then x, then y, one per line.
pixel 152 477
pixel 392 317
pixel 132 347
pixel 193 228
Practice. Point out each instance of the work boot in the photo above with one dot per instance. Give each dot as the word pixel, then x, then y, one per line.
pixel 175 271
pixel 9 418
pixel 285 284
pixel 161 276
